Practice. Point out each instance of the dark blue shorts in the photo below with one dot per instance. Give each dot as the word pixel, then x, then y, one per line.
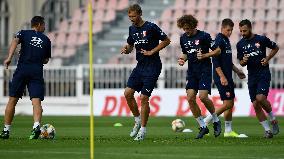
pixel 199 81
pixel 259 84
pixel 226 92
pixel 143 80
pixel 30 78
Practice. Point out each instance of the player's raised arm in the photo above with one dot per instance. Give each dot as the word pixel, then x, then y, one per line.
pixel 11 52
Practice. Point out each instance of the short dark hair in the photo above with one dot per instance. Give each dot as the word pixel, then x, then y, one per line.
pixel 136 8
pixel 245 22
pixel 227 22
pixel 189 20
pixel 37 20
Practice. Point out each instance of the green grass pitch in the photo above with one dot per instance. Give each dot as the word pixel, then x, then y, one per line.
pixel 72 140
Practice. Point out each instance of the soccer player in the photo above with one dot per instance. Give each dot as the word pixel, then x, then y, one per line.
pixel 195 46
pixel 222 75
pixel 35 51
pixel 252 53
pixel 145 36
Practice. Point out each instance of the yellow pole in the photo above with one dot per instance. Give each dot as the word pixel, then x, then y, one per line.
pixel 90 12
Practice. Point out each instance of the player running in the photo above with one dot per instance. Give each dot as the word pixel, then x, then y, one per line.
pixel 222 75
pixel 35 51
pixel 252 53
pixel 195 46
pixel 145 36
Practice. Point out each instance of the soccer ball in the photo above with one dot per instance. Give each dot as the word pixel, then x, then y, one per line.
pixel 47 132
pixel 178 125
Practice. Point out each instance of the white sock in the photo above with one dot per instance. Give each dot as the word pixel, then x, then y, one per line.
pixel 143 129
pixel 215 117
pixel 36 124
pixel 7 127
pixel 228 126
pixel 137 119
pixel 271 116
pixel 201 122
pixel 265 125
pixel 208 119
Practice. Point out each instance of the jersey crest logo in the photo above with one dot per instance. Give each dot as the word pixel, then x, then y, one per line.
pixel 196 42
pixel 228 94
pixel 144 33
pixel 257 45
pixel 36 41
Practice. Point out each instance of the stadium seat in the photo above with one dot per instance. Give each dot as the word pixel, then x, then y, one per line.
pixel 57 51
pixel 64 26
pixel 112 5
pixel 77 16
pixel 258 26
pixel 84 27
pixel 72 39
pixel 235 37
pixel 99 15
pixel 51 36
pixel 179 3
pixel 110 15
pixel 271 27
pixel 236 14
pixel 248 14
pixel 281 14
pixel 259 15
pixel 178 13
pixel 226 4
pixel 201 14
pixel 272 4
pixel 74 26
pixel 248 4
pixel 225 13
pixel 167 14
pixel 60 39
pixel 191 4
pixel 214 4
pixel 100 5
pixel 97 26
pixel 272 14
pixel 280 26
pixel 201 25
pixel 69 51
pixel 237 5
pixel 122 4
pixel 165 25
pixel 213 15
pixel 202 5
pixel 83 38
pixel 175 39
pixel 260 4
pixel 212 26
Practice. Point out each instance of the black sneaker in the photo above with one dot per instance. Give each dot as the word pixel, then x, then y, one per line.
pixel 217 128
pixel 35 133
pixel 4 135
pixel 202 132
pixel 268 134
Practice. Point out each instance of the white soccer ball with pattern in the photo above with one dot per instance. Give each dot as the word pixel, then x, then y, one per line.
pixel 47 132
pixel 178 125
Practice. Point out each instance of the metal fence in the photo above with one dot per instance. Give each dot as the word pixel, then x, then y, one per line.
pixel 68 81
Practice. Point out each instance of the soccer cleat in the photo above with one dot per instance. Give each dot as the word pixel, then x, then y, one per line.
pixel 268 134
pixel 140 136
pixel 135 129
pixel 217 128
pixel 4 135
pixel 231 134
pixel 202 132
pixel 35 133
pixel 275 127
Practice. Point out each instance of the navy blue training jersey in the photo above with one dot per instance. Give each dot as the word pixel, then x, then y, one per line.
pixel 35 47
pixel 146 37
pixel 224 60
pixel 190 46
pixel 256 48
